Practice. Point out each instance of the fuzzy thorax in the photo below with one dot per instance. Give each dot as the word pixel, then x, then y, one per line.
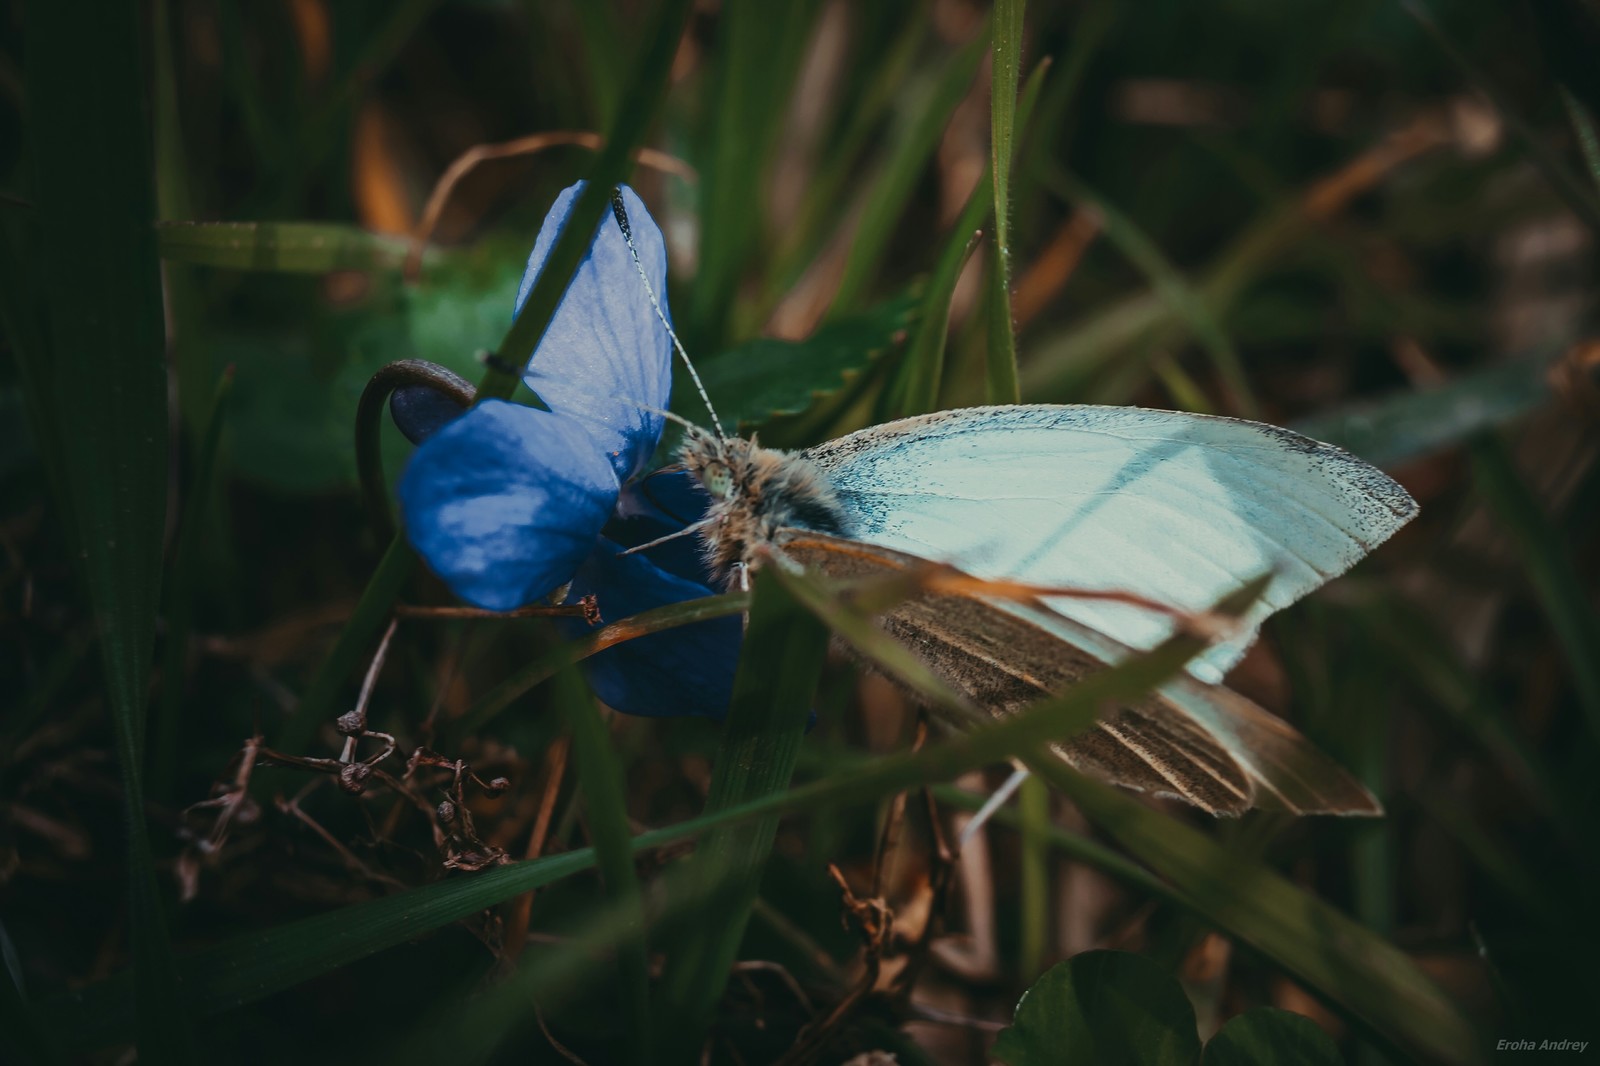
pixel 755 492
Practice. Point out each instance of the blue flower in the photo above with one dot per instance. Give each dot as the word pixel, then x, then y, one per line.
pixel 508 503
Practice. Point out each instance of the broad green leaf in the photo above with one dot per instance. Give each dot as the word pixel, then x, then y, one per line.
pixel 772 692
pixel 1267 1036
pixel 1408 425
pixel 1102 1006
pixel 762 379
pixel 102 342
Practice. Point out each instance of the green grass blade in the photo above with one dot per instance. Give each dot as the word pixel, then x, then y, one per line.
pixel 605 798
pixel 178 601
pixel 892 190
pixel 103 318
pixel 1365 977
pixel 1005 68
pixel 759 48
pixel 280 247
pixel 1550 568
pixel 772 691
pixel 1033 820
pixel 1583 127
pixel 924 361
pixel 1186 302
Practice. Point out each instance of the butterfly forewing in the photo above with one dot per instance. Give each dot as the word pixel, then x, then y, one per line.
pixel 1174 507
pixel 1190 740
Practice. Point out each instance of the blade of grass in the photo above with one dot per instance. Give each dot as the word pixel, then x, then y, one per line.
pixel 758 53
pixel 1033 821
pixel 605 798
pixel 281 247
pixel 610 167
pixel 923 366
pixel 1550 568
pixel 178 601
pixel 1005 67
pixel 779 665
pixel 924 360
pixel 912 148
pixel 23 1037
pixel 1583 127
pixel 103 315
pixel 1166 282
pixel 800 243
pixel 1366 978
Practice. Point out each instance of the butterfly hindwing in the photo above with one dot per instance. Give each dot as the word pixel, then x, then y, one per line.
pixel 1194 741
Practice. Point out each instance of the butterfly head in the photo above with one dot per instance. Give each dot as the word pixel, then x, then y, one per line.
pixel 756 493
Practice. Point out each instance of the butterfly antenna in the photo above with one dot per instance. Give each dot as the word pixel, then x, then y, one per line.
pixel 618 209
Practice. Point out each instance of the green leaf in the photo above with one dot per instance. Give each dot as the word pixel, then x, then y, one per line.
pixel 1266 1036
pixel 605 799
pixel 103 342
pixel 1362 975
pixel 1102 1006
pixel 1417 422
pixel 1005 67
pixel 778 669
pixel 762 379
pixel 177 600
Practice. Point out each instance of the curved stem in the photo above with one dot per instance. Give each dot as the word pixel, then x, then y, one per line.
pixel 369 424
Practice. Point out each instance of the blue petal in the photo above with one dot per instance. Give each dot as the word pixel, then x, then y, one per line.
pixel 606 353
pixel 655 506
pixel 683 671
pixel 504 503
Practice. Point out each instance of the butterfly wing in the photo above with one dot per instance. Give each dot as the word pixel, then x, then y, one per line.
pixel 1194 741
pixel 1177 508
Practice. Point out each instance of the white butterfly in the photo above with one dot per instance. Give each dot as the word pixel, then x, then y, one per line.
pixel 1176 508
